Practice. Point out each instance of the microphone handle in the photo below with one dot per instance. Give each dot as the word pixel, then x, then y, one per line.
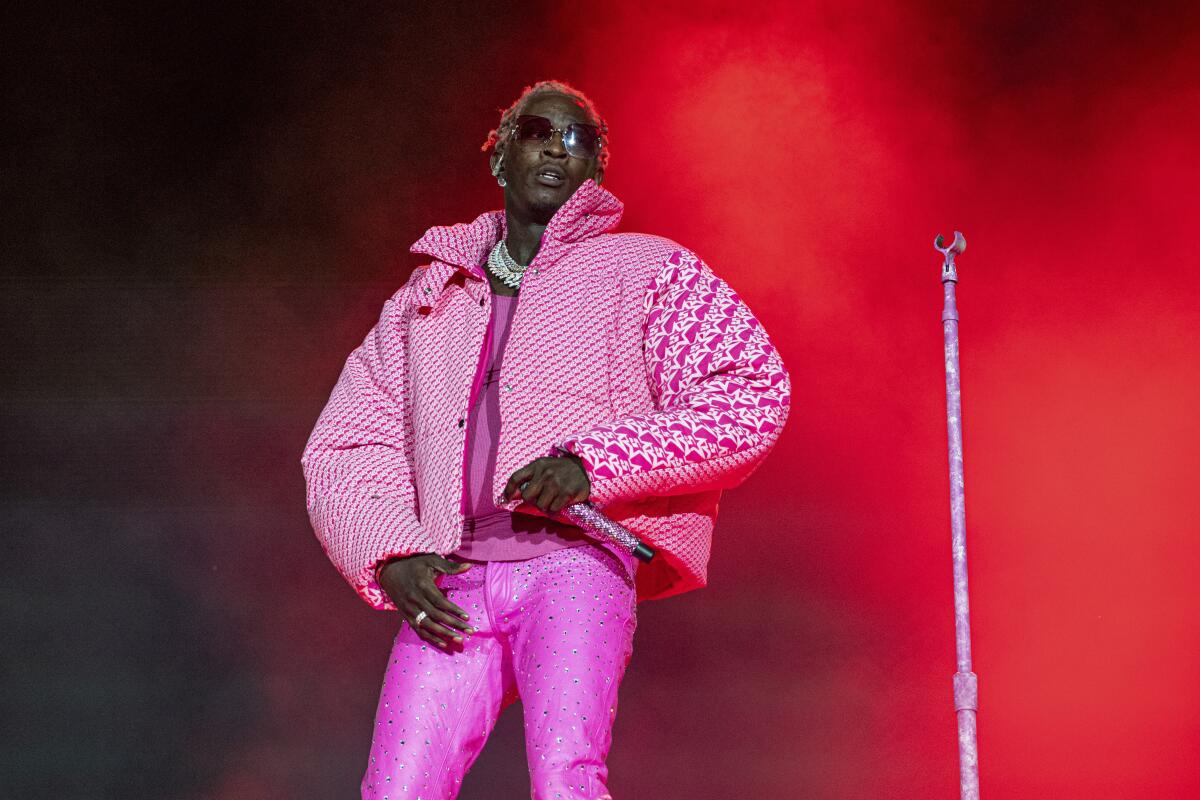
pixel 590 518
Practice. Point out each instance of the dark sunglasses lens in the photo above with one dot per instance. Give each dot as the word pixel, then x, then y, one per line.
pixel 582 140
pixel 534 129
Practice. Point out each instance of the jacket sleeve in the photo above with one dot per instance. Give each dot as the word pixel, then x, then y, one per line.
pixel 358 464
pixel 720 388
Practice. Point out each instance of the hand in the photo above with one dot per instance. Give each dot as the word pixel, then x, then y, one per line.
pixel 409 582
pixel 553 483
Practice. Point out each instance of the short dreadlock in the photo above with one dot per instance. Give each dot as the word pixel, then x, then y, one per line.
pixel 510 114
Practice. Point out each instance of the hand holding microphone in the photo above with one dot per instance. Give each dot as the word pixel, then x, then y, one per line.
pixel 561 484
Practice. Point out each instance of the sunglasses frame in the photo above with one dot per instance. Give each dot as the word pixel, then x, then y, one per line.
pixel 562 132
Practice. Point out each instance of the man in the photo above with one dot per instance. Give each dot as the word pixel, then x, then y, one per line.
pixel 623 372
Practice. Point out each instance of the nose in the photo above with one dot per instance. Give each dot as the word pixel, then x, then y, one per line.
pixel 555 145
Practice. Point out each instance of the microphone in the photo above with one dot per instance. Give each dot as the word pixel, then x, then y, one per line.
pixel 588 517
pixel 592 520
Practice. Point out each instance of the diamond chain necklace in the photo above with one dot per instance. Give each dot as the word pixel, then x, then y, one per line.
pixel 504 266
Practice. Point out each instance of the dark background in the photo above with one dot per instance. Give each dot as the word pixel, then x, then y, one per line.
pixel 205 206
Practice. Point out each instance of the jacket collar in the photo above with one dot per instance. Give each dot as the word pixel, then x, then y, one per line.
pixel 589 212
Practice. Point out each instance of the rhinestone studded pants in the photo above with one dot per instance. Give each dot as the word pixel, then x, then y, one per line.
pixel 557 631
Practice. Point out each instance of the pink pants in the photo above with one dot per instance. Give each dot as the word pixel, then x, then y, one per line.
pixel 557 631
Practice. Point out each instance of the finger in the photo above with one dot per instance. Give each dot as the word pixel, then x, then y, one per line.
pixel 426 628
pixel 566 495
pixel 516 479
pixel 425 635
pixel 581 494
pixel 410 611
pixel 532 491
pixel 408 607
pixel 435 593
pixel 565 499
pixel 430 624
pixel 545 490
pixel 548 495
pixel 537 483
pixel 442 610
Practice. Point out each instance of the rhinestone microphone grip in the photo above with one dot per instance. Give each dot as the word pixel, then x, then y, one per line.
pixel 588 517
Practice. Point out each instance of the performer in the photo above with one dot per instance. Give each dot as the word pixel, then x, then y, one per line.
pixel 539 350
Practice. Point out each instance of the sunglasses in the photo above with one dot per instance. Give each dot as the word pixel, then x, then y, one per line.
pixel 579 138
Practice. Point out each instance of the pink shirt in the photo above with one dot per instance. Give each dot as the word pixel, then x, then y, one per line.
pixel 491 533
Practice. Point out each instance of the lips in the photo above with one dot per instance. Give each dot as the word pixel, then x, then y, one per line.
pixel 550 175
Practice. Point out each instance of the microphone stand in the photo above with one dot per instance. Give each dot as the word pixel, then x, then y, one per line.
pixel 966 686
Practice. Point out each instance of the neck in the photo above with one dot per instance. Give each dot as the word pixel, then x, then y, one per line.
pixel 524 237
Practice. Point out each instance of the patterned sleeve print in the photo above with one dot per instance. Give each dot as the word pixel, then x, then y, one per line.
pixel 358 461
pixel 720 387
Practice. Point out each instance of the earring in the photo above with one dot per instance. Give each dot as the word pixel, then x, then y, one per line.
pixel 496 172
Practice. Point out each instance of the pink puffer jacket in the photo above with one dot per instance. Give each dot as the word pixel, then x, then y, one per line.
pixel 625 349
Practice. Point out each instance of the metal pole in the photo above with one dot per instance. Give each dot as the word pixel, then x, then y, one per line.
pixel 966 687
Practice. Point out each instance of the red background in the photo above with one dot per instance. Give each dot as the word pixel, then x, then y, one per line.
pixel 208 210
pixel 811 154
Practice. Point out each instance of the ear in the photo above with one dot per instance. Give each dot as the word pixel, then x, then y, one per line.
pixel 496 161
pixel 598 177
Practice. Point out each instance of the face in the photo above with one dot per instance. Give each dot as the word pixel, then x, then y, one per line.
pixel 541 175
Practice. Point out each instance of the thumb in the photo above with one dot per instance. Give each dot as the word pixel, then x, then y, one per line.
pixel 448 567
